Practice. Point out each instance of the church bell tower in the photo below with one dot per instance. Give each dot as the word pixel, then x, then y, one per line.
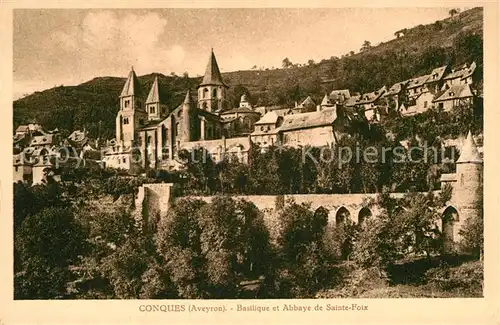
pixel 212 90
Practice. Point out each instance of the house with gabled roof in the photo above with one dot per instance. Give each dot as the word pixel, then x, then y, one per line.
pixel 455 96
pixel 339 96
pixel 465 75
pixel 312 128
pixel 416 86
pixel 307 105
pixel 436 79
pixel 395 96
pixel 265 132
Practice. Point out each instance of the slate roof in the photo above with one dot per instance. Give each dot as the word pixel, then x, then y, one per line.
pixel 370 97
pixel 308 102
pixel 78 136
pixel 396 88
pixel 308 120
pixel 437 74
pixel 469 152
pixel 154 95
pixel 22 128
pixel 151 124
pixel 269 118
pixel 340 95
pixel 132 86
pixel 418 81
pixel 41 140
pixel 469 71
pixel 212 73
pixel 455 92
pixel 240 110
pixel 352 101
pixel 282 111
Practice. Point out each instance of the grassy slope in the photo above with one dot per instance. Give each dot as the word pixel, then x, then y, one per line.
pixel 445 281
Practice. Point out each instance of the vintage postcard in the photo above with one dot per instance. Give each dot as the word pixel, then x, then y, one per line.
pixel 181 162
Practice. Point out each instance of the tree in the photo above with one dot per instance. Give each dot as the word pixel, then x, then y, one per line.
pixel 178 243
pixel 366 46
pixel 453 12
pixel 310 62
pixel 233 242
pixel 209 249
pixel 286 63
pixel 126 265
pixel 48 243
pixel 303 261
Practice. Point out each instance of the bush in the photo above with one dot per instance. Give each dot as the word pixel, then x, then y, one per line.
pixel 302 265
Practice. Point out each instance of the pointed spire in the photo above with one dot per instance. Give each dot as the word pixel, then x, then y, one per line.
pixel 212 73
pixel 187 99
pixel 469 152
pixel 154 93
pixel 132 86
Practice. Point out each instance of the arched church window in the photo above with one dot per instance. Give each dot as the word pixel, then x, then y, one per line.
pixel 461 179
pixel 214 93
pixel 246 122
pixel 205 93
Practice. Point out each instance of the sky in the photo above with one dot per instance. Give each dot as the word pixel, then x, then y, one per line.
pixel 54 47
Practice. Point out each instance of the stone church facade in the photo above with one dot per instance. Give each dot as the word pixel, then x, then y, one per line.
pixel 149 137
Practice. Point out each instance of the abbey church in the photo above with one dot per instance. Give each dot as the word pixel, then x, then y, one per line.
pixel 150 135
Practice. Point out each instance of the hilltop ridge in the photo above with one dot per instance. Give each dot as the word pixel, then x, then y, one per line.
pixel 93 104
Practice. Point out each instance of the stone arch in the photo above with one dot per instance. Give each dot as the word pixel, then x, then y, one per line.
pixel 364 214
pixel 321 216
pixel 448 224
pixel 342 215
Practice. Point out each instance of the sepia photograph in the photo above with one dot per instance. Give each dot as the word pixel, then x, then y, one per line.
pixel 247 153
